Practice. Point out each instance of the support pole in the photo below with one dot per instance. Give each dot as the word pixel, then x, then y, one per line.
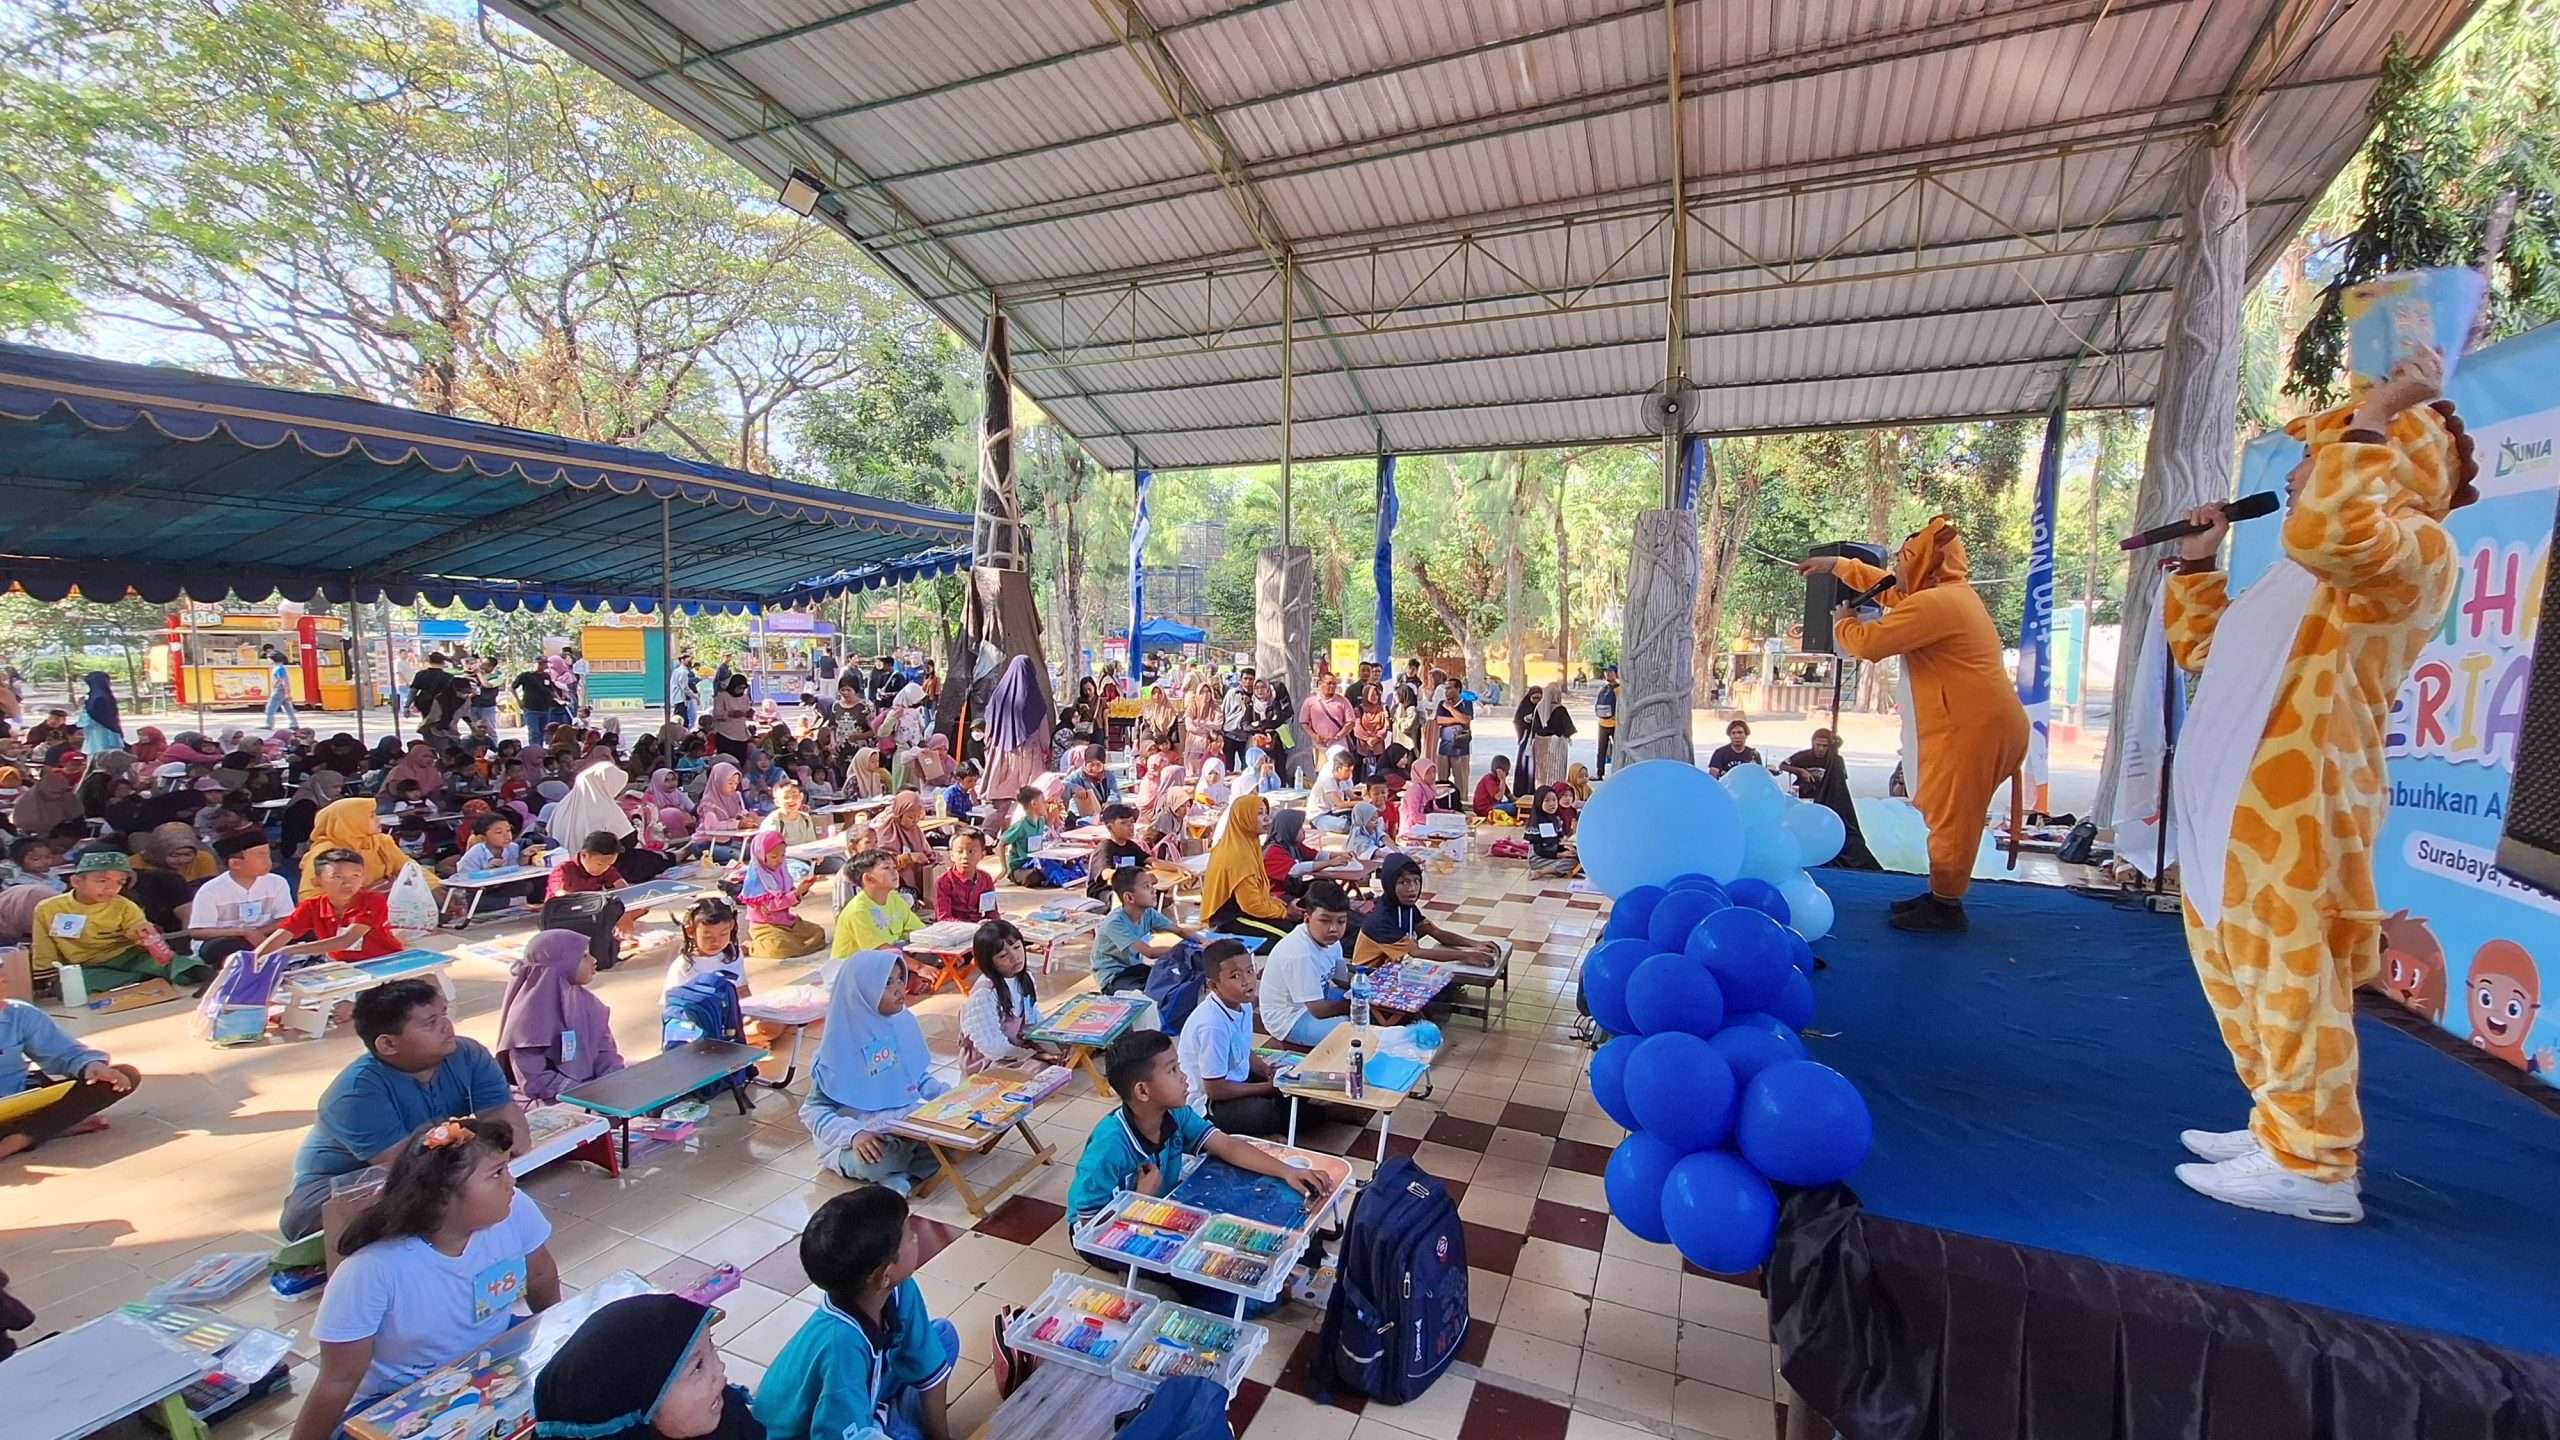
pixel 355 652
pixel 1288 383
pixel 1674 361
pixel 195 649
pixel 666 610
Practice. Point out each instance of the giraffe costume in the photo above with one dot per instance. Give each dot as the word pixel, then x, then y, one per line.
pixel 2281 804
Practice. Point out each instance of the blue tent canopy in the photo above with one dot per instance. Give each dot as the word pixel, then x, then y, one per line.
pixel 116 476
pixel 1165 634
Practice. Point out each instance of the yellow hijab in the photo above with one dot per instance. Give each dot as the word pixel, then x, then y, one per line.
pixel 1235 866
pixel 349 824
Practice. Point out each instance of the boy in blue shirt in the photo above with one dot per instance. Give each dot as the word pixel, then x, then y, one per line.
pixel 27 1033
pixel 871 1364
pixel 1145 1144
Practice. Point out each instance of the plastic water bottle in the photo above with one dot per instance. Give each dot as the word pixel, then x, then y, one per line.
pixel 1355 1084
pixel 1360 1003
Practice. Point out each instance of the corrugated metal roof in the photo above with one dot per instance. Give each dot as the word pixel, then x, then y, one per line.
pixel 1900 210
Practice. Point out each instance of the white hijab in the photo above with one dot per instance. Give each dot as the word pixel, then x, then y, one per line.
pixel 593 803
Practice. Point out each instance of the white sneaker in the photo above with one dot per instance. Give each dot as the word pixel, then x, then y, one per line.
pixel 2256 1182
pixel 2218 1145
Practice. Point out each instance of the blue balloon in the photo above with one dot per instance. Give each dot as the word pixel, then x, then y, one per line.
pixel 1673 919
pixel 1799 950
pixel 1794 1005
pixel 1604 982
pixel 1801 1123
pixel 1721 1216
pixel 1704 885
pixel 1747 1046
pixel 1657 821
pixel 1633 1184
pixel 1682 1090
pixel 1762 896
pixel 1609 1079
pixel 1747 953
pixel 1673 992
pixel 1628 916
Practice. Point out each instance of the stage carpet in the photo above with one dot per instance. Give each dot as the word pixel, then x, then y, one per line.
pixel 2028 1083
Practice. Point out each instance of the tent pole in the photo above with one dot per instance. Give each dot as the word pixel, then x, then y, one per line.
pixel 1674 361
pixel 1288 384
pixel 195 647
pixel 666 610
pixel 355 650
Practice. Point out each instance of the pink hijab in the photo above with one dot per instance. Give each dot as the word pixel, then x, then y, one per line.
pixel 723 805
pixel 1416 800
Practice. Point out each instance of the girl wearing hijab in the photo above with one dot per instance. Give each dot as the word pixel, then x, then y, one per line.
pixel 865 779
pixel 1395 928
pixel 322 788
pixel 872 1069
pixel 554 1032
pixel 1547 824
pixel 642 1368
pixel 1286 848
pixel 148 743
pixel 419 764
pixel 101 728
pixel 772 899
pixel 902 835
pixel 1164 827
pixel 673 807
pixel 1235 891
pixel 353 824
pixel 723 807
pixel 1213 785
pixel 1368 838
pixel 48 803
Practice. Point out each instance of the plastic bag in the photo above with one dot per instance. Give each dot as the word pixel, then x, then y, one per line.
pixel 234 1008
pixel 411 905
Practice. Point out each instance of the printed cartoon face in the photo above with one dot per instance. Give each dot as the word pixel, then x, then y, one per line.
pixel 2505 993
pixel 2413 965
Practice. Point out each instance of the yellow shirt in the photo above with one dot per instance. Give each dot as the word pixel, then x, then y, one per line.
pixel 71 933
pixel 862 925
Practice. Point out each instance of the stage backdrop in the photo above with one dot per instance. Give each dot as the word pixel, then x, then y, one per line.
pixel 2464 945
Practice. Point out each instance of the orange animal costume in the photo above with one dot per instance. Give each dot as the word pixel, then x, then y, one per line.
pixel 1972 731
pixel 2281 785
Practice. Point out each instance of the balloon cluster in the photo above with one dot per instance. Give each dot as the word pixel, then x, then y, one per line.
pixel 1702 977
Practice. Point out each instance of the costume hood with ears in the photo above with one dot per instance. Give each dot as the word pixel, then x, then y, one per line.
pixel 2437 466
pixel 1934 555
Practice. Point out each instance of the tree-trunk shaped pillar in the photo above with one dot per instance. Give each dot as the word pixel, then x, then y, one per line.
pixel 1656 671
pixel 1003 614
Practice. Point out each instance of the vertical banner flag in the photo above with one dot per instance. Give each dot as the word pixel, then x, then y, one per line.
pixel 1693 469
pixel 1383 564
pixel 2144 838
pixel 1138 570
pixel 2035 629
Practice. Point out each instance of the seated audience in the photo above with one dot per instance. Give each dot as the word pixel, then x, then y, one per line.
pixel 1396 928
pixel 1302 995
pixel 708 945
pixel 98 928
pixel 1235 892
pixel 239 908
pixel 1493 792
pixel 554 1032
pixel 771 898
pixel 1002 1004
pixel 1229 1083
pixel 872 1069
pixel 964 890
pixel 1144 1145
pixel 642 1368
pixel 1127 943
pixel 1120 851
pixel 29 1036
pixel 337 917
pixel 871 1363
pixel 878 916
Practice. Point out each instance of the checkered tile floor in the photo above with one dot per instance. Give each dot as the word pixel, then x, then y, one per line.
pixel 1581 1330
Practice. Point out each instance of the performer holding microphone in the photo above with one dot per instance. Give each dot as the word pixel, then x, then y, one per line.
pixel 2280 784
pixel 1972 731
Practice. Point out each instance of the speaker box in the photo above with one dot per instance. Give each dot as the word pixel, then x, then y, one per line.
pixel 1822 592
pixel 2529 847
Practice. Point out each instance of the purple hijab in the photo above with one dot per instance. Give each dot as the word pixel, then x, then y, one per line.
pixel 1017 711
pixel 544 1000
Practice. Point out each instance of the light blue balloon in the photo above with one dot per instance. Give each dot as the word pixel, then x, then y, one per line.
pixel 1655 821
pixel 1633 1184
pixel 1818 832
pixel 1769 853
pixel 1722 1217
pixel 1808 904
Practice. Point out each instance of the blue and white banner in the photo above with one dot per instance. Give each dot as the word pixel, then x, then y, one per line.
pixel 1138 571
pixel 2035 628
pixel 1693 469
pixel 1382 564
pixel 2463 944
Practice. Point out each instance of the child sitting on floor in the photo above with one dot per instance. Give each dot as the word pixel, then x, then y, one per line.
pixel 879 915
pixel 1028 832
pixel 97 927
pixel 1120 852
pixel 872 1069
pixel 1002 1004
pixel 871 1361
pixel 963 891
pixel 771 898
pixel 1229 1083
pixel 344 920
pixel 553 1031
pixel 1126 942
pixel 709 945
pixel 1147 1144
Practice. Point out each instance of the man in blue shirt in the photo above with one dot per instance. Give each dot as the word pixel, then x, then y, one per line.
pixel 27 1033
pixel 414 1070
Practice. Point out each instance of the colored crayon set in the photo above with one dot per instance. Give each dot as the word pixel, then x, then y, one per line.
pixel 1185 1342
pixel 1082 1323
pixel 1145 1230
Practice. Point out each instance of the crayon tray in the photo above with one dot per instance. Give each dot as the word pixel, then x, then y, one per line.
pixel 1177 1340
pixel 1240 1256
pixel 1081 1322
pixel 1141 1230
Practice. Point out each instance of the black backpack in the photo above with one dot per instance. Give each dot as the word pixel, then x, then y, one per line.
pixel 1399 1307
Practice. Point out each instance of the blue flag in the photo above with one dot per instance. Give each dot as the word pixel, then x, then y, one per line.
pixel 2035 627
pixel 1138 571
pixel 1383 564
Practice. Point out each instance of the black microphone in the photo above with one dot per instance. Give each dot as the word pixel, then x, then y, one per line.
pixel 2247 507
pixel 1868 595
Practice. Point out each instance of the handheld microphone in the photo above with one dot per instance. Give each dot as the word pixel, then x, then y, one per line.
pixel 1868 595
pixel 2247 507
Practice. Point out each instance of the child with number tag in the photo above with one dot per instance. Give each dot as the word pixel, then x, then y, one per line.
pixel 553 1032
pixel 97 927
pixel 963 891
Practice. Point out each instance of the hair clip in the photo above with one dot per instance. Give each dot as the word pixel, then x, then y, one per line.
pixel 446 1133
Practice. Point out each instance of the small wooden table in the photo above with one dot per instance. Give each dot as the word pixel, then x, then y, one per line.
pixel 1079 1042
pixel 971 1141
pixel 948 944
pixel 664 891
pixel 477 887
pixel 91 1376
pixel 651 1085
pixel 1334 1054
pixel 313 991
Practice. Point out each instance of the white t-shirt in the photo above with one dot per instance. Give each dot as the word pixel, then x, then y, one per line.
pixel 1216 1044
pixel 1293 974
pixel 685 969
pixel 225 903
pixel 423 1308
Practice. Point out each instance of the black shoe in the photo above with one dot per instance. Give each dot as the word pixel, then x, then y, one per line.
pixel 1905 907
pixel 1932 915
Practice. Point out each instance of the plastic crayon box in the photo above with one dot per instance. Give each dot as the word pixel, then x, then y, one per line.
pixel 1143 1229
pixel 1177 1341
pixel 1082 1323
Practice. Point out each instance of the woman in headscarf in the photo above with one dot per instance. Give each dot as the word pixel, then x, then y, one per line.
pixel 732 719
pixel 48 803
pixel 1213 787
pixel 864 778
pixel 1017 737
pixel 642 1368
pixel 321 788
pixel 771 898
pixel 1164 826
pixel 1368 741
pixel 872 1069
pixel 174 849
pixel 933 764
pixel 1552 736
pixel 554 1032
pixel 1524 732
pixel 1081 722
pixel 419 764
pixel 1421 788
pixel 148 743
pixel 103 771
pixel 1235 891
pixel 594 803
pixel 1201 735
pixel 723 807
pixel 901 833
pixel 353 824
pixel 101 728
pixel 903 726
pixel 672 806
pixel 1159 720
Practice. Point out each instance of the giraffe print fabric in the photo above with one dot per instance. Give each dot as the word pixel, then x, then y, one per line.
pixel 2299 926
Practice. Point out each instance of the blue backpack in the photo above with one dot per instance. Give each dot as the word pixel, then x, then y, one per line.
pixel 1175 984
pixel 1399 1307
pixel 1189 1407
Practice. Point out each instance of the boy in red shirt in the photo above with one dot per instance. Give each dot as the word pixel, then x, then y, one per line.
pixel 1493 792
pixel 345 921
pixel 963 891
